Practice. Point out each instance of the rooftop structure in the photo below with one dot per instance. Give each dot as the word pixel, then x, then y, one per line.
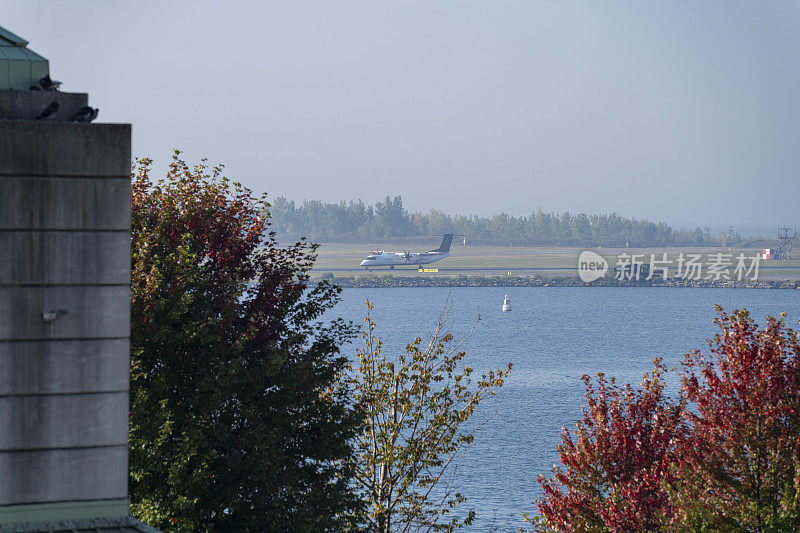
pixel 20 68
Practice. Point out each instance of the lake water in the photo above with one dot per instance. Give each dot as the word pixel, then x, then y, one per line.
pixel 553 336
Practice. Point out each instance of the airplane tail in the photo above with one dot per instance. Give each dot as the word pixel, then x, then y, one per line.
pixel 445 246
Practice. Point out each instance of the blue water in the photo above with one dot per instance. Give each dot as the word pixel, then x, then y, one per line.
pixel 553 336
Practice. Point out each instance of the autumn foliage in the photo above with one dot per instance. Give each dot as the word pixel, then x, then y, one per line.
pixel 740 457
pixel 233 425
pixel 723 456
pixel 614 465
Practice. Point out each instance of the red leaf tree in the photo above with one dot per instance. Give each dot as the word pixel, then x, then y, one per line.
pixel 614 466
pixel 724 457
pixel 740 459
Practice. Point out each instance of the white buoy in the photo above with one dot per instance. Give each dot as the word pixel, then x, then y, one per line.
pixel 506 304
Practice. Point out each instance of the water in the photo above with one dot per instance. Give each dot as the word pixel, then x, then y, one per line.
pixel 553 336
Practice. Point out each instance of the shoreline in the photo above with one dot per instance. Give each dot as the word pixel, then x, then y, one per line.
pixel 376 282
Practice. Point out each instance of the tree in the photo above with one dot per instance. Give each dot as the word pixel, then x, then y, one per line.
pixel 391 217
pixel 234 424
pixel 614 467
pixel 724 457
pixel 416 407
pixel 741 458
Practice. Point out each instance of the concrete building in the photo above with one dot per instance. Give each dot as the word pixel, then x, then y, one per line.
pixel 64 311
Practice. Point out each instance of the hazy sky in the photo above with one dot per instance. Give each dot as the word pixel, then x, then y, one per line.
pixel 679 111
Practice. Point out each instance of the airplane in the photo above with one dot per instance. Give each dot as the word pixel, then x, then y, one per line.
pixel 379 258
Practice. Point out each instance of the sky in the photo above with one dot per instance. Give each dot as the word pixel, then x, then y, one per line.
pixel 676 111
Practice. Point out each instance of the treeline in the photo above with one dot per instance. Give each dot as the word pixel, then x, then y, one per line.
pixel 389 220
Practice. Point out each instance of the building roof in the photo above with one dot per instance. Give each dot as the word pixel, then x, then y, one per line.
pixel 11 39
pixel 20 67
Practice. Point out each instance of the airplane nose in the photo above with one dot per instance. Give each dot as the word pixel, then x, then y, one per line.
pixel 364 263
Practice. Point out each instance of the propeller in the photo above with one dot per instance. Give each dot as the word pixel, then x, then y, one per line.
pixel 407 255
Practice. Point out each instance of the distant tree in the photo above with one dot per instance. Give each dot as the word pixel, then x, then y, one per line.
pixel 613 469
pixel 284 214
pixel 416 407
pixel 582 229
pixel 391 217
pixel 234 425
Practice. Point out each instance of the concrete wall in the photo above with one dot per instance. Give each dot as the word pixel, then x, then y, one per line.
pixel 27 105
pixel 64 245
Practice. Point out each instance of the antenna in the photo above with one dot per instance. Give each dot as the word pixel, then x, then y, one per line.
pixel 785 241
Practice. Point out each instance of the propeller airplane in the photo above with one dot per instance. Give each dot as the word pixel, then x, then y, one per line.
pixel 379 258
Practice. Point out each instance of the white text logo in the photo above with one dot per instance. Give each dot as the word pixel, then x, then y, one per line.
pixel 591 266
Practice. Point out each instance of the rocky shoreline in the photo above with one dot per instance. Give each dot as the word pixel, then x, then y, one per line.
pixel 547 281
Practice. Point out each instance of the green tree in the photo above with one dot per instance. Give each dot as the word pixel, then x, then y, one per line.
pixel 415 406
pixel 391 217
pixel 234 425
